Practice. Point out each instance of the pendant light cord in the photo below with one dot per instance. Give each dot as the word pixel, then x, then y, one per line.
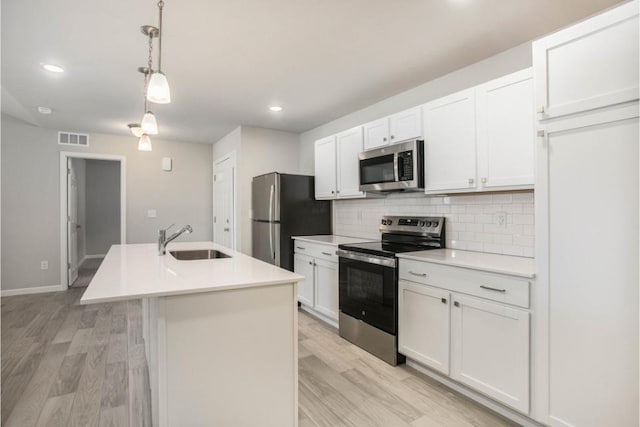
pixel 148 73
pixel 160 6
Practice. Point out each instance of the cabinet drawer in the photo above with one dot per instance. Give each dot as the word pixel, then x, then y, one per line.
pixel 496 287
pixel 316 250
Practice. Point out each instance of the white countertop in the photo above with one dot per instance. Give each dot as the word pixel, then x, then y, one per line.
pixel 494 263
pixel 137 271
pixel 332 239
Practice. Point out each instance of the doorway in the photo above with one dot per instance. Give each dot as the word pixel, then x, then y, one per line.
pixel 224 201
pixel 92 208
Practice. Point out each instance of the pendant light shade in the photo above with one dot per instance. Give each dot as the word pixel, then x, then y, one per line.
pixel 144 143
pixel 149 124
pixel 158 90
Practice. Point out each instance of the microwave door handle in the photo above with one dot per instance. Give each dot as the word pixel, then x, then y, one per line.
pixel 396 174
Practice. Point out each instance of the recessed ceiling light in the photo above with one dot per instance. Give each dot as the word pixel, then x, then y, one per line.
pixel 275 108
pixel 53 68
pixel 44 110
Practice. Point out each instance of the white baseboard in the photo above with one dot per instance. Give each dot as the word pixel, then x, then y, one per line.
pixel 33 290
pixel 86 257
pixel 509 413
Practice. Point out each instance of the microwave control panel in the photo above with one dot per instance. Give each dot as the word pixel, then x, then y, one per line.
pixel 405 166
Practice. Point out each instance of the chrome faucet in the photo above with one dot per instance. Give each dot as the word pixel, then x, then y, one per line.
pixel 163 240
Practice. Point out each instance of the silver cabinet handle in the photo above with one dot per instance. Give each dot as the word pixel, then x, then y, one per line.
pixel 392 136
pixel 384 139
pixel 456 303
pixel 444 300
pixel 418 274
pixel 540 109
pixel 226 229
pixel 326 253
pixel 310 263
pixel 489 288
pixel 471 180
pixel 483 180
pixel 301 248
pixel 333 192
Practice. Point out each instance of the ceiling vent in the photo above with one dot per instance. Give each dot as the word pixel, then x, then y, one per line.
pixel 68 138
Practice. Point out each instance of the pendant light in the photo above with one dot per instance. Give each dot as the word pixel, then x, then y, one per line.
pixel 144 143
pixel 158 90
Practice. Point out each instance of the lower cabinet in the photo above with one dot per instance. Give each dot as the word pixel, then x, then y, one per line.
pixel 318 292
pixel 480 343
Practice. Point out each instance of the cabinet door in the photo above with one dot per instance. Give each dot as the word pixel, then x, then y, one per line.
pixel 423 324
pixel 490 349
pixel 505 131
pixel 450 143
pixel 405 125
pixel 590 65
pixel 325 168
pixel 327 288
pixel 304 266
pixel 376 134
pixel 349 145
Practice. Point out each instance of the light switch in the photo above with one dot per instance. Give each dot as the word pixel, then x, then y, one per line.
pixel 166 164
pixel 151 213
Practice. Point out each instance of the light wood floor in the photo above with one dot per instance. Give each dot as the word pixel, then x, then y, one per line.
pixel 64 364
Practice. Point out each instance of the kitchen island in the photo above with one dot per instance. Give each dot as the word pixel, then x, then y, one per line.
pixel 220 334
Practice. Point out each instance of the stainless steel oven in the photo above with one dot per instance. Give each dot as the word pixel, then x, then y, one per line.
pixel 398 167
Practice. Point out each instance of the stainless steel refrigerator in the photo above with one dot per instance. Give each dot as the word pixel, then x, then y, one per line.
pixel 284 205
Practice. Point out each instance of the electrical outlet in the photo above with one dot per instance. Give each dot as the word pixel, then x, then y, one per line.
pixel 151 213
pixel 501 219
pixel 44 265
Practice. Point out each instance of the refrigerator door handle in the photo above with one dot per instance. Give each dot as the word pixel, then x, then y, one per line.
pixel 273 254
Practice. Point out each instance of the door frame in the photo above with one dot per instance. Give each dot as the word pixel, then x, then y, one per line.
pixel 231 156
pixel 64 243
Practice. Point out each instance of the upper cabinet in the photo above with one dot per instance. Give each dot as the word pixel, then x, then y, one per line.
pixel 336 164
pixel 481 139
pixel 395 128
pixel 606 60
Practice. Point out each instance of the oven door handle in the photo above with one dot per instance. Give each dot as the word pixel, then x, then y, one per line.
pixel 370 259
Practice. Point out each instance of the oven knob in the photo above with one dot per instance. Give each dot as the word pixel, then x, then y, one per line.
pixel 389 222
pixel 435 223
pixel 428 223
pixel 422 224
pixel 383 222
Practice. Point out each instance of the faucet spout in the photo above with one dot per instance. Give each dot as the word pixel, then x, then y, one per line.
pixel 163 240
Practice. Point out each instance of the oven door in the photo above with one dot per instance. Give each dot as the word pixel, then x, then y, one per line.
pixel 368 289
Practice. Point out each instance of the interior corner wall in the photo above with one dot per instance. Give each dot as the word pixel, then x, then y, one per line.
pixel 31 196
pixel 102 205
pixel 258 151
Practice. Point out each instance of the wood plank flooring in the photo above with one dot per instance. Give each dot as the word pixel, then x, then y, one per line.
pixel 63 364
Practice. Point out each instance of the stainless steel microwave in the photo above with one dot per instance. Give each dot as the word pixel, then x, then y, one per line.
pixel 398 167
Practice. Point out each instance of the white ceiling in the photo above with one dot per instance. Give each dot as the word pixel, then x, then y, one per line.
pixel 228 60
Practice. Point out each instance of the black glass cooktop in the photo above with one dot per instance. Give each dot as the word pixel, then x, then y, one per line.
pixel 387 249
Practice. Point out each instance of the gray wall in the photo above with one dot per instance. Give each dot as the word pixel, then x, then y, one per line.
pixel 102 198
pixel 506 62
pixel 31 197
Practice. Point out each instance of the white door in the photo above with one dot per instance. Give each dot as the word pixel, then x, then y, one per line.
pixel 405 125
pixel 590 65
pixel 423 326
pixel 376 134
pixel 325 168
pixel 72 223
pixel 303 265
pixel 450 143
pixel 327 288
pixel 505 122
pixel 223 209
pixel 349 145
pixel 490 349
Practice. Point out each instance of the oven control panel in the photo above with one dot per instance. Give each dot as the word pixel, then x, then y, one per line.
pixel 414 224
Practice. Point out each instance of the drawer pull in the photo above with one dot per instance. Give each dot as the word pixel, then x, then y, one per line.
pixel 456 303
pixel 326 253
pixel 300 247
pixel 418 274
pixel 489 288
pixel 444 300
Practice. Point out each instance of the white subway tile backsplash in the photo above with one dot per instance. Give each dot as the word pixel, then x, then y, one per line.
pixel 471 220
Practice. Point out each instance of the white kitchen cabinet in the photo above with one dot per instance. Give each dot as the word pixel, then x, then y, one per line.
pixel 326 288
pixel 423 329
pixel 318 292
pixel 349 145
pixel 590 65
pixel 490 349
pixel 450 143
pixel 337 174
pixel 586 322
pixel 304 266
pixel 376 134
pixel 325 168
pixel 393 129
pixel 505 132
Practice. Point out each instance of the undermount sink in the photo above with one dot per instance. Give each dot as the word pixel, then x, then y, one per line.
pixel 198 254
